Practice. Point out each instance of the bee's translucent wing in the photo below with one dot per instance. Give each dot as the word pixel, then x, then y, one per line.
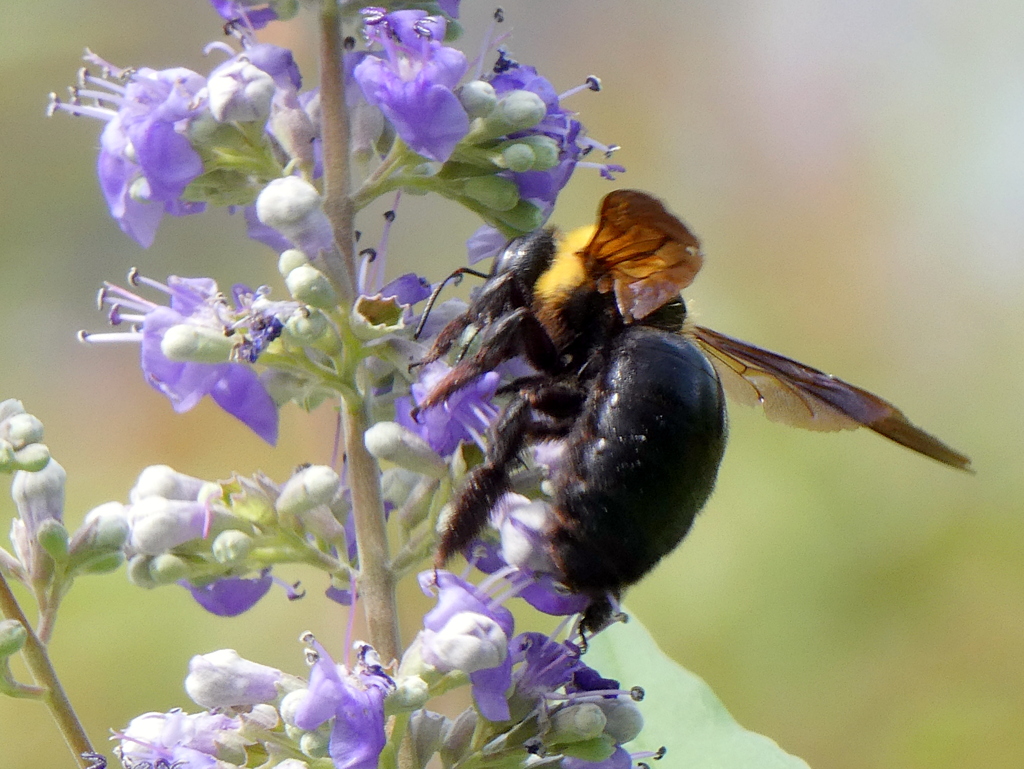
pixel 802 396
pixel 643 253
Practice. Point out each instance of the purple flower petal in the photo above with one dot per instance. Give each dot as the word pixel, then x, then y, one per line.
pixel 240 392
pixel 231 596
pixel 233 10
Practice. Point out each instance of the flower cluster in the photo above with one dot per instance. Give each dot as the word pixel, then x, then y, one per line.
pixel 424 119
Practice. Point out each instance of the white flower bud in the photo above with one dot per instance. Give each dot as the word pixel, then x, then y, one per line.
pixel 158 524
pixel 290 703
pixel 9 408
pixel 104 528
pixel 469 641
pixel 392 442
pixel 478 98
pixel 576 723
pixel 292 206
pixel 187 342
pixel 289 260
pixel 166 482
pixel 39 496
pixel 308 488
pixel 223 679
pixel 23 429
pixel 231 546
pixel 240 92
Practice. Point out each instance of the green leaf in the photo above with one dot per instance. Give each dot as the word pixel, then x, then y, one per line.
pixel 680 710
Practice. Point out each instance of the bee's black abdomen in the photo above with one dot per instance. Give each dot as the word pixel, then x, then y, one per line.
pixel 643 458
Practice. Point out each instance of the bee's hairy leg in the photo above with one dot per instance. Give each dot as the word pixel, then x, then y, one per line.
pixel 519 333
pixel 487 482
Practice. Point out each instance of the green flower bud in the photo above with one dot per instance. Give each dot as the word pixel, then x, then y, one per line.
pixel 32 458
pixel 12 637
pixel 196 344
pixel 315 744
pixel 525 217
pixel 392 442
pixel 624 718
pixel 231 547
pixel 576 723
pixel 495 192
pixel 166 569
pixel 138 571
pixel 289 260
pixel 596 749
pixel 411 693
pixel 478 98
pixel 520 110
pixel 308 285
pixel 54 539
pixel 101 563
pixel 311 329
pixel 545 151
pixel 316 485
pixel 518 157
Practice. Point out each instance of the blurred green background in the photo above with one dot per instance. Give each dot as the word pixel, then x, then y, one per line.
pixel 856 174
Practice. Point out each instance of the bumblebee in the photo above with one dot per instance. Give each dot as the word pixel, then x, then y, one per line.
pixel 631 388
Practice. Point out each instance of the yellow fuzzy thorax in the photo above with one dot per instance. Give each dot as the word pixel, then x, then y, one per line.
pixel 567 271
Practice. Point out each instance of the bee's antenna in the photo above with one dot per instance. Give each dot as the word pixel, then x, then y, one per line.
pixel 457 277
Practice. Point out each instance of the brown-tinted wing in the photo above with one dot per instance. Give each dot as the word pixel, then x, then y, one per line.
pixel 641 252
pixel 802 396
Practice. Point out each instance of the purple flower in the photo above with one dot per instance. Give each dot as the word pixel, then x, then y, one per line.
pixel 146 160
pixel 449 7
pixel 541 591
pixel 456 599
pixel 231 596
pixel 199 320
pixel 356 703
pixel 464 416
pixel 543 664
pixel 255 15
pixel 174 739
pixel 412 80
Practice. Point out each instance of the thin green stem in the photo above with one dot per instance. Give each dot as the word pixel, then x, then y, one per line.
pixel 334 131
pixel 376 580
pixel 39 665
